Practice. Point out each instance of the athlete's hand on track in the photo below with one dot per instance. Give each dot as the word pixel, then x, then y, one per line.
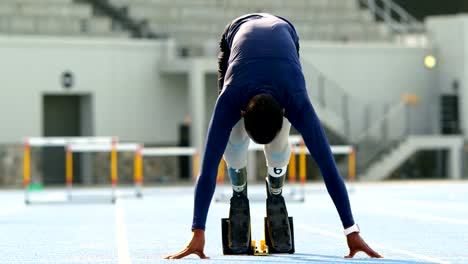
pixel 356 244
pixel 195 246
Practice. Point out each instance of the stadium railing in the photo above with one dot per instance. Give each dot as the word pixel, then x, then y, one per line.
pixel 386 132
pixel 397 18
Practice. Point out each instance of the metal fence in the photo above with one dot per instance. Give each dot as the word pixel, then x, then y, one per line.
pixel 347 114
pixel 373 128
pixel 398 19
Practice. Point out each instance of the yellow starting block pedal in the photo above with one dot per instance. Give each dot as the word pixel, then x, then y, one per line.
pixel 260 251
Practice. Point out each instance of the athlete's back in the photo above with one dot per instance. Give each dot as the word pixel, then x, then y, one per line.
pixel 261 36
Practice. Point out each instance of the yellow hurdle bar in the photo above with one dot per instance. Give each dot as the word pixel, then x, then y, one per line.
pixel 26 170
pixel 138 168
pixel 114 163
pixel 352 165
pixel 302 163
pixel 138 171
pixel 114 170
pixel 195 165
pixel 292 166
pixel 27 165
pixel 69 171
pixel 221 172
pixel 69 167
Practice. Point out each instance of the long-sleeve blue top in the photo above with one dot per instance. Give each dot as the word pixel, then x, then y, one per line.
pixel 259 53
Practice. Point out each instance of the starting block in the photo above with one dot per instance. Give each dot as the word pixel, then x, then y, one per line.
pixel 256 250
pixel 270 244
pixel 226 249
pixel 260 250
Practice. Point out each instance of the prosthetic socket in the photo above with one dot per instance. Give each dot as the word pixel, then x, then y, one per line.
pixel 275 179
pixel 238 180
pixel 276 176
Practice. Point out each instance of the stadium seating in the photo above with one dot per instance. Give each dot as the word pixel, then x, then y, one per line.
pixel 193 23
pixel 196 22
pixel 52 17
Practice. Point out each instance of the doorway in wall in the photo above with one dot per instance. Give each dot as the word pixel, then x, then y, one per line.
pixel 64 116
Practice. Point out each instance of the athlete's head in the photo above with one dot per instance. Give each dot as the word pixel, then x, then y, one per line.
pixel 263 118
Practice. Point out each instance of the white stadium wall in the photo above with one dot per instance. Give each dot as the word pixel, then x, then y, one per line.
pixel 464 84
pixel 450 35
pixel 378 74
pixel 371 73
pixel 129 98
pixel 132 99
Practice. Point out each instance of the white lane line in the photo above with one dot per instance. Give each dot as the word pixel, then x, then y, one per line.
pixel 401 251
pixel 121 233
pixel 421 216
pixel 9 210
pixel 393 208
pixel 434 218
pixel 443 204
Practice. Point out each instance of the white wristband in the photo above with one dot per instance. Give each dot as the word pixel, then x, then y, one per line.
pixel 351 229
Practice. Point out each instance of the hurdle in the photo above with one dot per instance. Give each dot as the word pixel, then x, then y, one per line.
pixel 37 142
pixel 253 147
pixel 114 148
pixel 299 149
pixel 175 151
pixel 302 151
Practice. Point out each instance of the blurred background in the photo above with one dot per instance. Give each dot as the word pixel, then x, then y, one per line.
pixel 387 77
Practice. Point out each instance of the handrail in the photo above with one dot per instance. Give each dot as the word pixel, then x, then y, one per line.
pixel 353 114
pixel 372 129
pixel 139 29
pixel 397 18
pixel 385 133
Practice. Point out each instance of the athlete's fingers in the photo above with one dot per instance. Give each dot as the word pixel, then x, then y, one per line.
pixel 168 256
pixel 201 254
pixel 181 254
pixel 351 253
pixel 372 253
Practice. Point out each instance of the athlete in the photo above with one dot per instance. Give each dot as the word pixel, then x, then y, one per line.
pixel 262 92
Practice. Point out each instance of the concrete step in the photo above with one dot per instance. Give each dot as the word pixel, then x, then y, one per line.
pixel 384 166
